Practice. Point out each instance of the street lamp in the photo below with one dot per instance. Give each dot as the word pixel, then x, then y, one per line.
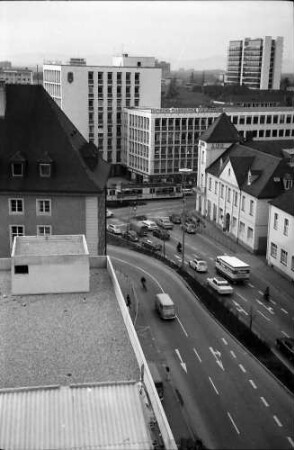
pixel 184 172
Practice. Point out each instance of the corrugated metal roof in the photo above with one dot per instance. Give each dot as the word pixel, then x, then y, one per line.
pixel 104 417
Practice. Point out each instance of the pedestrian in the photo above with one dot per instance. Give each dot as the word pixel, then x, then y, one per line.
pixel 128 301
pixel 167 373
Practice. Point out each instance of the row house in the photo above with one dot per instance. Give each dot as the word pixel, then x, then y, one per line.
pixel 52 181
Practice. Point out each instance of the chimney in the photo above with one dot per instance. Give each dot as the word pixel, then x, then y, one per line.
pixel 2 99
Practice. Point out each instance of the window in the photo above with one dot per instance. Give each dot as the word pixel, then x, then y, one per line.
pixel 23 269
pixel 17 169
pixel 209 183
pixel 251 207
pixel 284 257
pixel 45 170
pixel 286 227
pixel 215 187
pixel 249 234
pixel 222 191
pixel 274 250
pixel 229 195
pixel 275 221
pixel 43 207
pixel 44 230
pixel 292 263
pixel 16 230
pixel 243 203
pixel 16 206
pixel 235 198
pixel 241 227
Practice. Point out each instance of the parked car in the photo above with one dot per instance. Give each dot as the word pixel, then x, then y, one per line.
pixel 175 218
pixel 164 222
pixel 140 218
pixel 116 228
pixel 131 235
pixel 154 246
pixel 189 228
pixel 188 191
pixel 220 285
pixel 150 224
pixel 161 234
pixel 198 264
pixel 109 213
pixel 286 346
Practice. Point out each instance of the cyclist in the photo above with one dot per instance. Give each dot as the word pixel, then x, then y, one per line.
pixel 143 282
pixel 266 294
pixel 179 247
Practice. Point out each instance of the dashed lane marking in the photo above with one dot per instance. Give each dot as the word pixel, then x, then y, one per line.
pixel 284 311
pixel 277 421
pixel 242 368
pixel 213 385
pixel 182 326
pixel 251 285
pixel 261 313
pixel 235 426
pixel 224 341
pixel 243 298
pixel 197 355
pixel 285 334
pixel 233 354
pixel 253 384
pixel 291 441
pixel 264 401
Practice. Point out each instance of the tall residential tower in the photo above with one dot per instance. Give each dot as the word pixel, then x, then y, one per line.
pixel 255 63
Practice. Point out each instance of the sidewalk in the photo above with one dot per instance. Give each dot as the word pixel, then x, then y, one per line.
pixel 257 263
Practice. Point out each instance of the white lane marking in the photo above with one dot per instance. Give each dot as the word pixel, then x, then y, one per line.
pixel 260 292
pixel 243 298
pixel 242 368
pixel 261 313
pixel 233 354
pixel 197 355
pixel 235 426
pixel 239 308
pixel 212 259
pixel 213 385
pixel 273 302
pixel 182 326
pixel 285 334
pixel 217 354
pixel 284 311
pixel 224 341
pixel 253 384
pixel 277 421
pixel 264 401
pixel 259 302
pixel 184 365
pixel 291 441
pixel 250 285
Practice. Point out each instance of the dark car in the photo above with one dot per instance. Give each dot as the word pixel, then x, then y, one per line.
pixel 161 234
pixel 131 235
pixel 150 245
pixel 140 218
pixel 286 346
pixel 175 218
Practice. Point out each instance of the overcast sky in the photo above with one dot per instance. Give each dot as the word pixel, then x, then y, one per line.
pixel 186 33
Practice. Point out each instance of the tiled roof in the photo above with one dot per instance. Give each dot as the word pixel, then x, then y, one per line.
pixel 272 147
pixel 267 170
pixel 222 130
pixel 34 126
pixel 285 202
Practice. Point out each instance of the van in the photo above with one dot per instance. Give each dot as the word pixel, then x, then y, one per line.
pixel 165 306
pixel 232 268
pixel 139 227
pixel 156 378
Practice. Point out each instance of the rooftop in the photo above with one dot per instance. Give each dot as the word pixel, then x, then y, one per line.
pixel 63 339
pixel 50 245
pixel 216 110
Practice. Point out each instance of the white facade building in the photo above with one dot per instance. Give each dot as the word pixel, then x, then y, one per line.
pixel 16 76
pixel 125 60
pixel 158 142
pixel 280 246
pixel 93 98
pixel 256 63
pixel 235 184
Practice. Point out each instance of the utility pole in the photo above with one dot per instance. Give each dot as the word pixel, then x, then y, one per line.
pixel 184 172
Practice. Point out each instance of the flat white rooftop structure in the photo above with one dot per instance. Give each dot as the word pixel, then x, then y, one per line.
pixel 51 245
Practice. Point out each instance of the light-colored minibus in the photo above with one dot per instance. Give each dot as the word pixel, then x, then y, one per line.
pixel 165 306
pixel 232 268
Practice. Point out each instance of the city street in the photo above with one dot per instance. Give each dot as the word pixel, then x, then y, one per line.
pixel 229 400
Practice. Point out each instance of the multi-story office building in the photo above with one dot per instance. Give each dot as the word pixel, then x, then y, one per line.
pixel 255 63
pixel 16 76
pixel 93 98
pixel 125 60
pixel 158 142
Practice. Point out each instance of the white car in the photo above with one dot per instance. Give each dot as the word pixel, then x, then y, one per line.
pixel 220 285
pixel 150 224
pixel 114 228
pixel 109 213
pixel 198 264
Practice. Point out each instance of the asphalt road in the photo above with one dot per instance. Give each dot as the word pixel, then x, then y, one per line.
pixel 231 401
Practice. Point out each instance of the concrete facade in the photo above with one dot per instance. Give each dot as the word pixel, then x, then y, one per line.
pixel 16 76
pixel 93 98
pixel 49 265
pixel 157 142
pixel 255 63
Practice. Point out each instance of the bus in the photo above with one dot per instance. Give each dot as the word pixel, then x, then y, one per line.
pixel 232 268
pixel 130 194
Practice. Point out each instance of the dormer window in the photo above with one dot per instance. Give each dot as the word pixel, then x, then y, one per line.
pixel 17 169
pixel 249 180
pixel 45 170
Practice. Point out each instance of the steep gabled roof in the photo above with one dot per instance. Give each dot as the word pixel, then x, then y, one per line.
pixel 221 131
pixel 285 202
pixel 269 170
pixel 274 148
pixel 34 126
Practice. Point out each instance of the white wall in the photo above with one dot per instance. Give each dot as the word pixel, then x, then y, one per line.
pixel 51 274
